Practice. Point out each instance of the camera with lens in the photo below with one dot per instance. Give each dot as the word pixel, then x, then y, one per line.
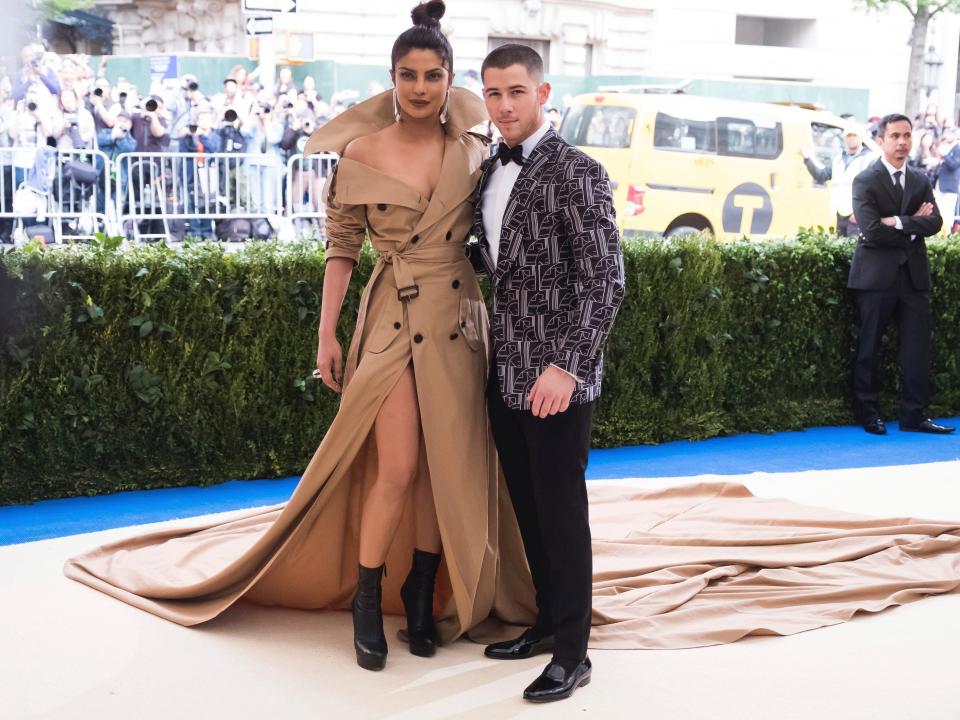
pixel 31 106
pixel 150 105
pixel 192 129
pixel 230 115
pixel 98 92
pixel 191 86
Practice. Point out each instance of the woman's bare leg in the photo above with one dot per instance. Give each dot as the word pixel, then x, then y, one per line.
pixel 397 429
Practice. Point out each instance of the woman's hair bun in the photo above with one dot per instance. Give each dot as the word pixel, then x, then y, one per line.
pixel 428 14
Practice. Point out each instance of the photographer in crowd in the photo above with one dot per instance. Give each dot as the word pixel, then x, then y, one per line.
pixel 150 126
pixel 201 175
pixel 264 131
pixel 73 127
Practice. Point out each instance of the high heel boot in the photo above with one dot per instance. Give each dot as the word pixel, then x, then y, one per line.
pixel 368 638
pixel 417 596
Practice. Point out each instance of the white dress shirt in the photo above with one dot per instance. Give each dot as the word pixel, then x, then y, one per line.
pixel 496 194
pixel 903 184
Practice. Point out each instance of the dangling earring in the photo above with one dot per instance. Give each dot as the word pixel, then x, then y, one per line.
pixel 396 106
pixel 445 110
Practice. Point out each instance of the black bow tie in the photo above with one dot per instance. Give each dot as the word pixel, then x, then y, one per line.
pixel 505 154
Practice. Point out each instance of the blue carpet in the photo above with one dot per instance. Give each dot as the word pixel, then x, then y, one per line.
pixel 824 448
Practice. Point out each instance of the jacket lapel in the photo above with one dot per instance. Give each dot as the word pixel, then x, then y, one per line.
pixel 513 216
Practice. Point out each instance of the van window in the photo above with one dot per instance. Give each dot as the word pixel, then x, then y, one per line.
pixel 749 138
pixel 827 142
pixel 598 126
pixel 674 133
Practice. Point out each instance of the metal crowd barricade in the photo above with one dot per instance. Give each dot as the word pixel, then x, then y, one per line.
pixel 173 195
pixel 306 178
pixel 63 195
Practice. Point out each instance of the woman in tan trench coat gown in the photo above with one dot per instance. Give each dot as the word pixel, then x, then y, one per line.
pixel 422 325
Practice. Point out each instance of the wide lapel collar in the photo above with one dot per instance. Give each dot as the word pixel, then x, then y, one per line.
pixel 513 216
pixel 458 173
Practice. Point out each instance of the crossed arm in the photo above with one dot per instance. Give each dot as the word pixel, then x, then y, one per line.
pixel 882 231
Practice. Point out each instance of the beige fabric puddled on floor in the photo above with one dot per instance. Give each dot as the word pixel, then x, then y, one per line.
pixel 709 564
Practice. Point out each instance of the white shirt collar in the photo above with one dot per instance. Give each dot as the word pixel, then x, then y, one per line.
pixel 531 142
pixel 891 169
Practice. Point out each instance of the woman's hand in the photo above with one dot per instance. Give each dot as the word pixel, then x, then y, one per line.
pixel 330 363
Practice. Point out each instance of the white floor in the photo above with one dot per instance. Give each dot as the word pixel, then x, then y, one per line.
pixel 69 652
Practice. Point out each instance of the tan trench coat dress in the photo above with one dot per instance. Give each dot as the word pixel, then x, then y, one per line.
pixel 421 307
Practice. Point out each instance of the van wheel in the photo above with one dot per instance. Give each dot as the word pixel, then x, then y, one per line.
pixel 682 230
pixel 689 224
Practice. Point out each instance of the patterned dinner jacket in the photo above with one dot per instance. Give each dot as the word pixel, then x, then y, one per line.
pixel 559 277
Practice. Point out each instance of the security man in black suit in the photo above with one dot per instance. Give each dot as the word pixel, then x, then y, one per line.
pixel 896 211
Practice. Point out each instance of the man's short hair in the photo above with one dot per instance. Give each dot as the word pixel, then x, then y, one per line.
pixel 514 54
pixel 889 119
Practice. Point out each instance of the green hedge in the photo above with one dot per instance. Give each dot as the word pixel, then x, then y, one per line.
pixel 148 367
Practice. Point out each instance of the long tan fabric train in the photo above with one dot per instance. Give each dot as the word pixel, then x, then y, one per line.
pixel 304 554
pixel 709 564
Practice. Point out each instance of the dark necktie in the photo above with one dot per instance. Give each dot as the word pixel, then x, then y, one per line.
pixel 898 189
pixel 506 154
pixel 898 195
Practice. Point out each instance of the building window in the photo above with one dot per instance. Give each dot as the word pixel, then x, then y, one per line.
pixel 541 46
pixel 775 32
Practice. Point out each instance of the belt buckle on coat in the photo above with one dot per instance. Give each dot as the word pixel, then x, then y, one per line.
pixel 404 296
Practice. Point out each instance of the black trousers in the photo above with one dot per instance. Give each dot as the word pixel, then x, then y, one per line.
pixel 544 462
pixel 911 307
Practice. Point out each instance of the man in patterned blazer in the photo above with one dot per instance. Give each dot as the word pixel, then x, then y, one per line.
pixel 548 238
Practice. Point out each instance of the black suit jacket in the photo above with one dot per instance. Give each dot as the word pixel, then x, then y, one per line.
pixel 559 277
pixel 881 249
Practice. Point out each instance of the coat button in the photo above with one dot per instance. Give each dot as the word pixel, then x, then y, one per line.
pixel 454 336
pixel 456 284
pixel 418 338
pixel 415 238
pixel 396 326
pixel 381 207
pixel 449 234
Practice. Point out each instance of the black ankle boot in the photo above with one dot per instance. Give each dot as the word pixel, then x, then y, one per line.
pixel 417 595
pixel 368 638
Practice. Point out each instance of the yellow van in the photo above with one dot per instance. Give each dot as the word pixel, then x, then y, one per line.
pixel 684 163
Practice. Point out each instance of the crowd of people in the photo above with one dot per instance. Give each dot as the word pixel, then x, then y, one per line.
pixel 936 153
pixel 62 102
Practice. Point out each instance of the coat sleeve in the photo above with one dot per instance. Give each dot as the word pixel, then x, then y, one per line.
pixel 591 225
pixel 867 212
pixel 819 174
pixel 924 226
pixel 346 225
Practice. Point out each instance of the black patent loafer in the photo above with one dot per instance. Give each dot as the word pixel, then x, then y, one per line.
pixel 875 427
pixel 525 646
pixel 928 426
pixel 555 683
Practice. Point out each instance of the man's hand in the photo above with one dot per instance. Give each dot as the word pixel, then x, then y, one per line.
pixel 551 392
pixel 889 221
pixel 925 210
